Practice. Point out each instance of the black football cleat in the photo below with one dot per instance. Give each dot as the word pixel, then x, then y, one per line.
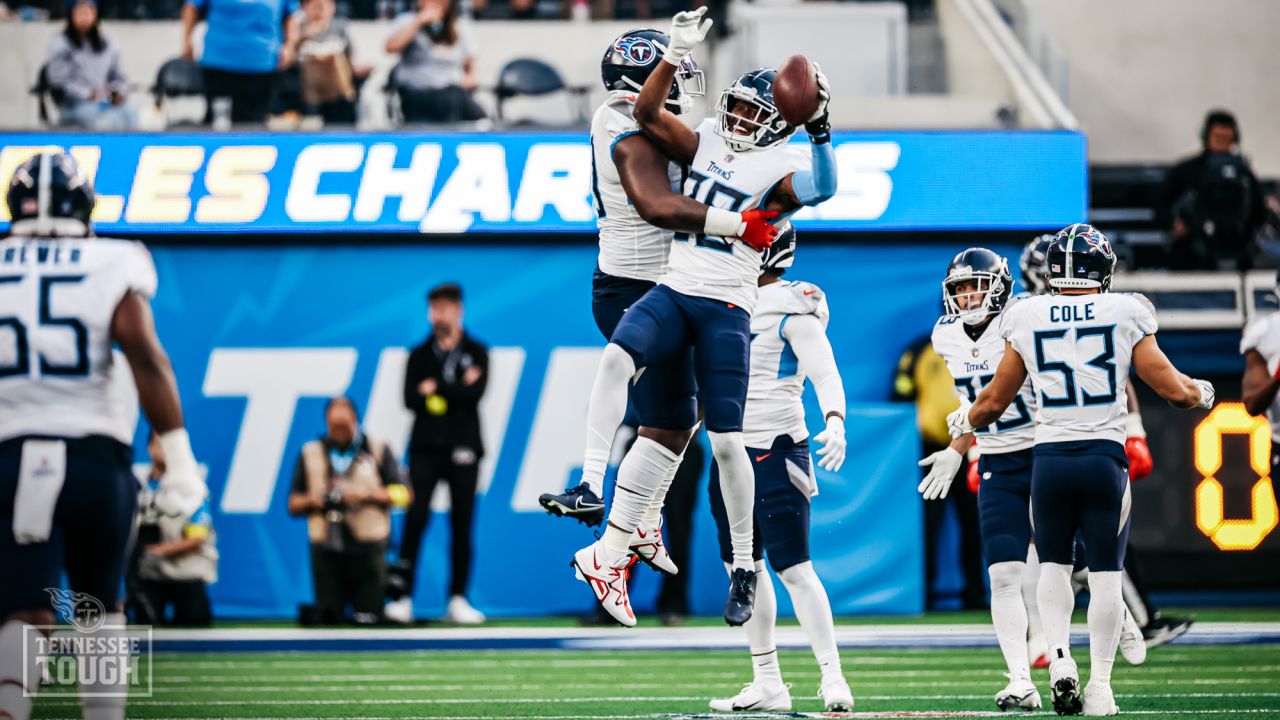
pixel 1165 629
pixel 578 503
pixel 742 597
pixel 1065 693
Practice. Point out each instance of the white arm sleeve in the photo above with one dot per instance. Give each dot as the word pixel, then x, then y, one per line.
pixel 809 341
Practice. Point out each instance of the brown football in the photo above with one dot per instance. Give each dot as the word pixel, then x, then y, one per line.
pixel 795 90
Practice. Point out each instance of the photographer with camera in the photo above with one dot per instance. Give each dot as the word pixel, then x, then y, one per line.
pixel 345 484
pixel 1211 204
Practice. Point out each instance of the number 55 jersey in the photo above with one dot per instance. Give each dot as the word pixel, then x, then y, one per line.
pixel 701 265
pixel 57 300
pixel 973 364
pixel 1078 350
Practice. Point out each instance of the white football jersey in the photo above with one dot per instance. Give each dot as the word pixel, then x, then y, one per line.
pixel 57 298
pixel 972 364
pixel 712 267
pixel 1078 350
pixel 776 385
pixel 1263 335
pixel 629 246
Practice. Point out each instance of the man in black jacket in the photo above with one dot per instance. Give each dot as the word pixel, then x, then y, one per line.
pixel 443 382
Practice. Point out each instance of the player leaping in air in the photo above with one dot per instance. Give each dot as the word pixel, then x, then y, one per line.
pixel 1077 347
pixel 67 492
pixel 739 161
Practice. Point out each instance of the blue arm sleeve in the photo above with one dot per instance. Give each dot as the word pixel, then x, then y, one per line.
pixel 819 183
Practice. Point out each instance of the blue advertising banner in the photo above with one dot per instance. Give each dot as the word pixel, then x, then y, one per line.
pixel 261 336
pixel 533 182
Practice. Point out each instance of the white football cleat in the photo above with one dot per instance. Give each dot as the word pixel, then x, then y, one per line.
pixel 1132 645
pixel 1064 686
pixel 756 696
pixel 460 612
pixel 608 583
pixel 835 694
pixel 1099 701
pixel 1019 694
pixel 646 544
pixel 399 611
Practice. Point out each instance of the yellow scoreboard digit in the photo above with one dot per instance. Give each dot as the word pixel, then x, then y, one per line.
pixel 1244 533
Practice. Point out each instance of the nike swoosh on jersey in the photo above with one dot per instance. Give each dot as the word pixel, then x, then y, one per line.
pixel 761 458
pixel 810 292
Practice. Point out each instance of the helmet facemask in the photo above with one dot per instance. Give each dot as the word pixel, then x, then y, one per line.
pixel 755 118
pixel 978 302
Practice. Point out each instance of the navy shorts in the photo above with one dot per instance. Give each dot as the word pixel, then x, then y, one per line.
pixel 1004 505
pixel 781 516
pixel 663 325
pixel 665 395
pixel 92 527
pixel 1081 486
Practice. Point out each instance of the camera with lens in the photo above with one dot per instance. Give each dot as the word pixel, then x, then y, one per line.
pixel 335 521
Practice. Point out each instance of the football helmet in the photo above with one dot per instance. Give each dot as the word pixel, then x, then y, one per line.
pixel 782 253
pixel 1035 274
pixel 632 57
pixel 49 195
pixel 1080 257
pixel 994 285
pixel 746 116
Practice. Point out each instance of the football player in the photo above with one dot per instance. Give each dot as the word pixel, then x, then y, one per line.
pixel 703 301
pixel 1077 347
pixel 67 490
pixel 1261 349
pixel 975 293
pixel 788 344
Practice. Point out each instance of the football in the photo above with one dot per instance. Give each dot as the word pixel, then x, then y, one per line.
pixel 795 90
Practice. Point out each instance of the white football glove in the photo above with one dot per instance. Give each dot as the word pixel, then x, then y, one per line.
pixel 182 490
pixel 687 30
pixel 1206 393
pixel 943 466
pixel 834 444
pixel 958 421
pixel 824 94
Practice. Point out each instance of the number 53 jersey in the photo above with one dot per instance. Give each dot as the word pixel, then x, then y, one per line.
pixel 973 365
pixel 57 300
pixel 1078 350
pixel 704 266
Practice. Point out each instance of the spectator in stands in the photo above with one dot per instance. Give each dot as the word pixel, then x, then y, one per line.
pixel 345 484
pixel 83 70
pixel 175 558
pixel 245 44
pixel 1212 204
pixel 436 73
pixel 329 77
pixel 444 379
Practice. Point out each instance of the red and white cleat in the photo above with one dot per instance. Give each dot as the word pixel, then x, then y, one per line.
pixel 608 583
pixel 646 544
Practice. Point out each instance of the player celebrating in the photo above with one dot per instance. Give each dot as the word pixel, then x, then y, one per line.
pixel 975 293
pixel 704 302
pixel 789 343
pixel 637 210
pixel 67 491
pixel 1077 348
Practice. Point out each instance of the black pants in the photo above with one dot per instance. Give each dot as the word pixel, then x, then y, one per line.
pixel 966 504
pixel 190 600
pixel 426 468
pixel 677 528
pixel 353 576
pixel 251 94
pixel 440 105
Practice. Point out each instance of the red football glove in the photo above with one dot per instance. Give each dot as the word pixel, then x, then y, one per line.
pixel 757 233
pixel 973 478
pixel 1140 462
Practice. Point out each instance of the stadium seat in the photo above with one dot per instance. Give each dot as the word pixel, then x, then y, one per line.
pixel 178 78
pixel 528 77
pixel 46 95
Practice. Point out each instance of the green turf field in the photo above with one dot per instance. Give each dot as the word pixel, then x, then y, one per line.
pixel 1177 681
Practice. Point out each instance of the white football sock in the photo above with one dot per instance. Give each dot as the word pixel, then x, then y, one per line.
pixel 813 610
pixel 1009 615
pixel 1056 603
pixel 108 708
pixel 1133 600
pixel 1030 579
pixel 1106 618
pixel 764 618
pixel 605 413
pixel 653 515
pixel 639 476
pixel 738 488
pixel 19 673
